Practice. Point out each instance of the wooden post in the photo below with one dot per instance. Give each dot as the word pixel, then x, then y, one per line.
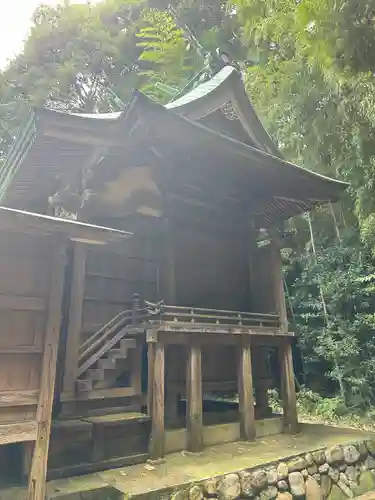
pixel 194 397
pixel 279 295
pixel 245 392
pixel 252 253
pixel 38 472
pixel 150 375
pixel 157 429
pixel 136 306
pixel 288 389
pixel 261 381
pixel 168 257
pixel 75 317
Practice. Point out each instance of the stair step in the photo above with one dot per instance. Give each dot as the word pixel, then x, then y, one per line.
pixel 95 374
pixel 128 343
pixel 84 385
pixel 117 354
pixel 107 363
pixel 122 351
pixel 113 363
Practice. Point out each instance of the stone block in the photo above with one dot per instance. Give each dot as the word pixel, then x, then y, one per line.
pixel 283 485
pixel 284 496
pixel 297 484
pixel 296 464
pixel 282 471
pixel 334 474
pixel 319 457
pixel 229 487
pixel 366 483
pixel 334 455
pixel 259 480
pixel 325 485
pixel 313 491
pixel 269 493
pixel 210 486
pixel 247 489
pixel 195 493
pixel 337 493
pixel 272 476
pixel 351 454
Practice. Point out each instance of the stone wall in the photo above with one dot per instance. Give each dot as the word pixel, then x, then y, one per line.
pixel 332 474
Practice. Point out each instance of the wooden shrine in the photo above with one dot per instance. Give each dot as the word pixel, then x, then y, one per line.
pixel 158 329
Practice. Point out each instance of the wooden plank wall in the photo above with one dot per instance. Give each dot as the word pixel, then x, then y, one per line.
pixel 114 273
pixel 24 287
pixel 263 301
pixel 219 366
pixel 211 269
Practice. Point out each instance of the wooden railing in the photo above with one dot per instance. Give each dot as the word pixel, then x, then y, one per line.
pixel 124 323
pixel 219 317
pixel 130 321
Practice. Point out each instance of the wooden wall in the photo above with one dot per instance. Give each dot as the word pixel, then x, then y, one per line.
pixel 24 290
pixel 211 268
pixel 115 272
pixel 263 293
pixel 219 367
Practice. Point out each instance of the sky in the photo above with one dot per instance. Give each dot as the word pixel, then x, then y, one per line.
pixel 15 22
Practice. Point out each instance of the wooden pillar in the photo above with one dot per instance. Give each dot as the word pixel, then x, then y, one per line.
pixel 194 397
pixel 157 429
pixel 245 392
pixel 150 375
pixel 277 270
pixel 38 472
pixel 252 253
pixel 168 290
pixel 262 379
pixel 73 340
pixel 288 389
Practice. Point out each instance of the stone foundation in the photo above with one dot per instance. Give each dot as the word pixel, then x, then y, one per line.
pixel 336 473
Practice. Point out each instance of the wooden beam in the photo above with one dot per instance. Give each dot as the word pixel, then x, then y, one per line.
pixel 194 396
pixel 150 375
pixel 252 254
pixel 75 317
pixel 136 367
pixel 18 398
pixel 28 222
pixel 18 433
pixel 208 338
pixel 288 389
pixel 38 472
pixel 157 429
pixel 245 392
pixel 278 280
pixel 261 377
pixel 22 303
pixel 168 291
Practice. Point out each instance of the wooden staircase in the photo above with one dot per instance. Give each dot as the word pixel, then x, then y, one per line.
pixel 107 353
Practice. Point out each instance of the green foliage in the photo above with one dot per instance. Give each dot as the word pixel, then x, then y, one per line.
pixel 166 51
pixel 341 342
pixel 314 87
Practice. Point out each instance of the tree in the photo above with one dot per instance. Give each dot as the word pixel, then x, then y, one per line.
pixel 314 87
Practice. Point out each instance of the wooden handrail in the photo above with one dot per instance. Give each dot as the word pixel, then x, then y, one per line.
pixel 127 321
pixel 217 316
pixel 103 349
pixel 222 319
pixel 221 311
pixel 99 333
